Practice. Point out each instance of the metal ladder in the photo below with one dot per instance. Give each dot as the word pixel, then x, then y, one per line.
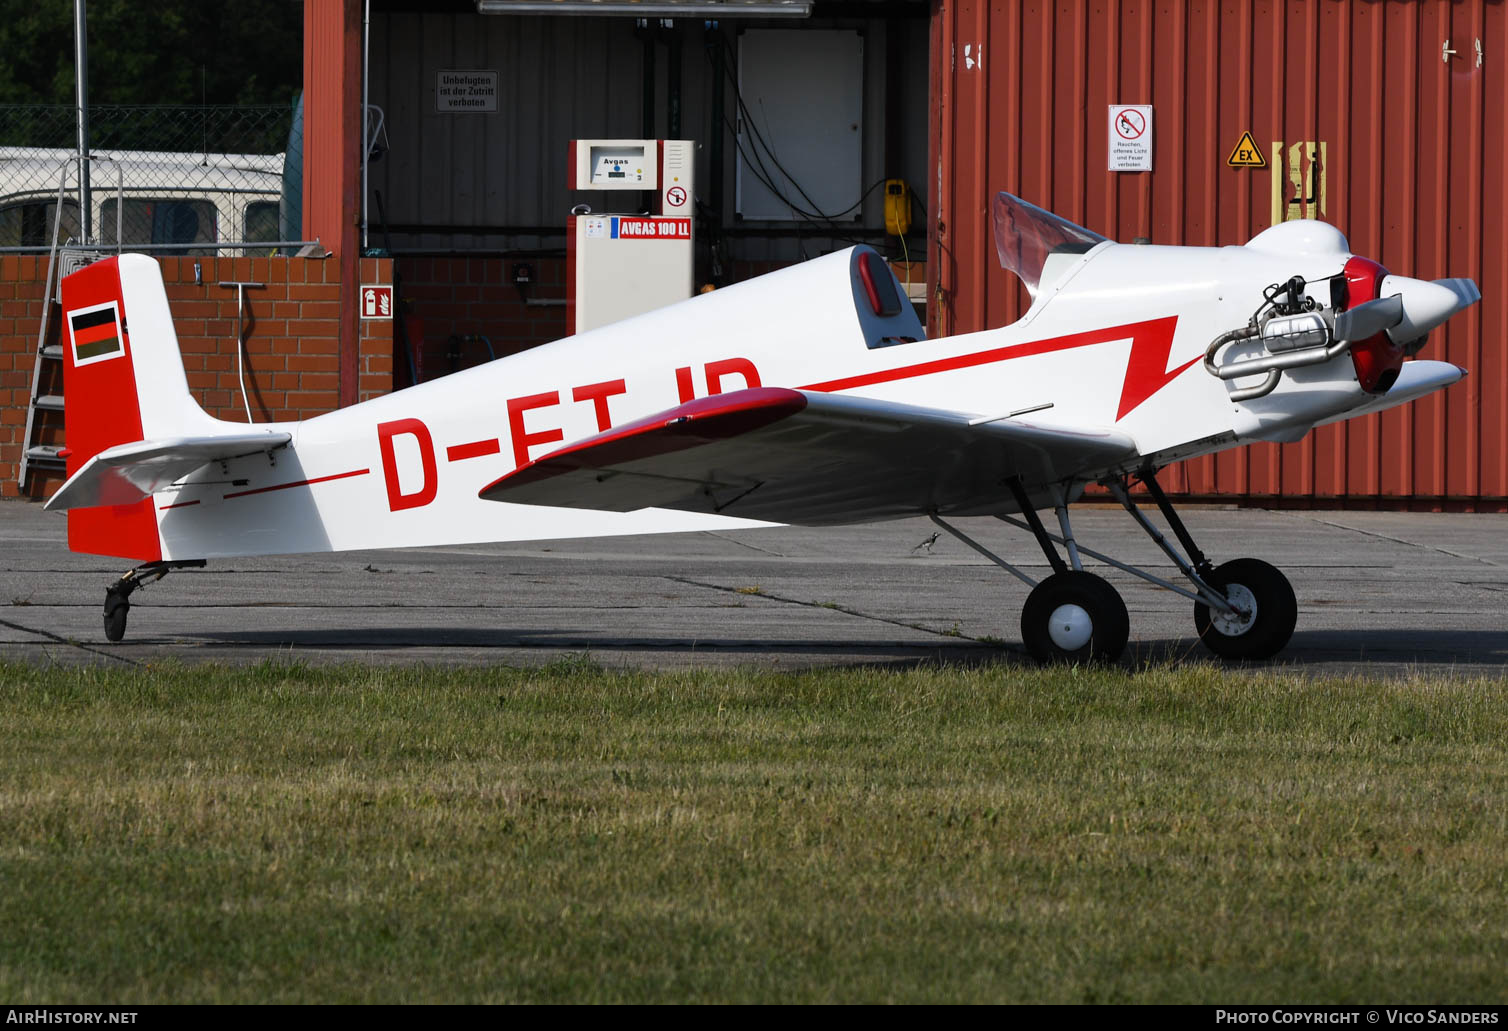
pixel 33 454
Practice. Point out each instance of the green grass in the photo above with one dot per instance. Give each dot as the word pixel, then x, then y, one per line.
pixel 284 834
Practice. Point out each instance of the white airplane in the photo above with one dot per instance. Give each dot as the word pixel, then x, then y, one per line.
pixel 807 396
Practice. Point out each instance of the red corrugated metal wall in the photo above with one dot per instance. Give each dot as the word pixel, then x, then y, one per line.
pixel 1382 132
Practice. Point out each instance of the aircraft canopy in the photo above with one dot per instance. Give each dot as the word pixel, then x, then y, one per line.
pixel 1026 236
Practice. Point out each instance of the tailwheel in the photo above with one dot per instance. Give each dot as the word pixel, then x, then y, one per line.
pixel 116 607
pixel 118 594
pixel 1266 611
pixel 1074 616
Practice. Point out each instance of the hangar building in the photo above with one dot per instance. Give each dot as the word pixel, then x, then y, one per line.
pixel 436 157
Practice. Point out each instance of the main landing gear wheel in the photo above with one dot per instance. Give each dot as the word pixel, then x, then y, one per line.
pixel 1268 613
pixel 1075 616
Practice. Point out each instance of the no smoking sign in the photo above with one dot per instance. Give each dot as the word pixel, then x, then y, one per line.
pixel 1130 138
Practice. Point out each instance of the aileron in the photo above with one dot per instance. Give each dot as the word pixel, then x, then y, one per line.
pixel 815 458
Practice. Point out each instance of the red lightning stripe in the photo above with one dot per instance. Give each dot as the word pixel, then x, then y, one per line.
pixel 1146 371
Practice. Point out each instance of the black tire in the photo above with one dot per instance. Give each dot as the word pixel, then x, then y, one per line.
pixel 1108 625
pixel 1267 630
pixel 116 608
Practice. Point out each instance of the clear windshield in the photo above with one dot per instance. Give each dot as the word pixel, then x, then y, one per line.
pixel 1026 237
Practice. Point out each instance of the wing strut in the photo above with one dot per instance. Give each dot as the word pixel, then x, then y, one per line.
pixel 986 552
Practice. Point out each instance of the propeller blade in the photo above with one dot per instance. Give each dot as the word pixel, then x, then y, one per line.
pixel 1369 319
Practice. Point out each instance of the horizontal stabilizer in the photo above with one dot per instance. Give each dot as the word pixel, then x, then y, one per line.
pixel 809 458
pixel 127 473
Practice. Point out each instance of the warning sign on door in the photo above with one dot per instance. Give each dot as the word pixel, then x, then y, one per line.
pixel 1247 154
pixel 1299 190
pixel 463 91
pixel 1130 138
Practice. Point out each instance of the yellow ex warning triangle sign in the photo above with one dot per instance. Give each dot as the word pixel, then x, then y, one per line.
pixel 1246 154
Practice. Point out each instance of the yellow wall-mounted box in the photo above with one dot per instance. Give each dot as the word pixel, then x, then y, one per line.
pixel 897 207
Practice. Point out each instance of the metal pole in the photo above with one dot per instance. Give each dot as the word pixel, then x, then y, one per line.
pixel 81 76
pixel 673 82
pixel 366 122
pixel 647 95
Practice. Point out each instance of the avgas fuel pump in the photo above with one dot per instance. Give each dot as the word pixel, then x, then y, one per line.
pixel 618 265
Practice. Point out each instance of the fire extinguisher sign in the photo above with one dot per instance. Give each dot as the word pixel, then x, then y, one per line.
pixel 376 302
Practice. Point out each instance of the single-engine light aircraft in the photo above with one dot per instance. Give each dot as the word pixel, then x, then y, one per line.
pixel 808 396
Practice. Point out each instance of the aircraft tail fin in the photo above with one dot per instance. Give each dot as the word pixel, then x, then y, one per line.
pixel 124 391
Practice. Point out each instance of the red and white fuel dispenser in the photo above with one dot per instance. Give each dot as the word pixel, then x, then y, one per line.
pixel 618 265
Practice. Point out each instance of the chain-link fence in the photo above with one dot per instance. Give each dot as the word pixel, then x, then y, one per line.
pixel 171 180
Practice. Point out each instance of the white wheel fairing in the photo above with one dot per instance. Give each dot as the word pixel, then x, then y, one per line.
pixel 1074 616
pixel 1070 627
pixel 1234 624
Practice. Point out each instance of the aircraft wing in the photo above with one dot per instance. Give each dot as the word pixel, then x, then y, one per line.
pixel 127 473
pixel 809 458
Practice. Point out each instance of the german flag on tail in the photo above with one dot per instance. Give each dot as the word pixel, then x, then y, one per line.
pixel 95 332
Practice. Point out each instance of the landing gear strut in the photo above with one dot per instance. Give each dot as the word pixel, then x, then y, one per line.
pixel 1246 608
pixel 1073 615
pixel 1243 609
pixel 118 594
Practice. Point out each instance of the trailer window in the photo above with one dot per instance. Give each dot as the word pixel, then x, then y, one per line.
pixel 30 224
pixel 261 221
pixel 160 220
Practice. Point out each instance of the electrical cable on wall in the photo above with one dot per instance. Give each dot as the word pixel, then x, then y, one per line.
pixel 241 288
pixel 816 213
pixel 241 373
pixel 825 223
pixel 760 140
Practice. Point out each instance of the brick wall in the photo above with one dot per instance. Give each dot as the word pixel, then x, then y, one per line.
pixel 741 270
pixel 463 297
pixel 292 362
pixel 476 296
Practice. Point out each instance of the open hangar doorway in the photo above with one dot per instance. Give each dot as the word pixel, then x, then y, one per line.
pixel 803 121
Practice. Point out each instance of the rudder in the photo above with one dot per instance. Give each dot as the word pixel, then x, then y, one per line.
pixel 123 382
